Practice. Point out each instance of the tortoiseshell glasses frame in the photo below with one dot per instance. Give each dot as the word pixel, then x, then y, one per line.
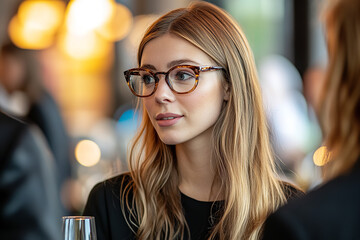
pixel 181 79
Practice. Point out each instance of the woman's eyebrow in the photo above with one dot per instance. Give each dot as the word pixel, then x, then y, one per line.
pixel 148 66
pixel 171 64
pixel 180 62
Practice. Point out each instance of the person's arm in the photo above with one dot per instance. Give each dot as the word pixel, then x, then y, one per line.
pixel 29 198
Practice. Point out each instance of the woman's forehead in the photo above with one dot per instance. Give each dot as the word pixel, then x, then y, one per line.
pixel 169 48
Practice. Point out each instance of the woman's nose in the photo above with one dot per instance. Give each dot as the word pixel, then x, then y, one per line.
pixel 163 92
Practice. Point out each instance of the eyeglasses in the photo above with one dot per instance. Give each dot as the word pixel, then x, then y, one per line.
pixel 181 79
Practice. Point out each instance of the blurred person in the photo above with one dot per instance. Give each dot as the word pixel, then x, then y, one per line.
pixel 29 203
pixel 293 133
pixel 20 75
pixel 30 207
pixel 12 72
pixel 309 174
pixel 313 80
pixel 332 211
pixel 200 166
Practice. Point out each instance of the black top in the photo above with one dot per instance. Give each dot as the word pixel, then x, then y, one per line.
pixel 330 212
pixel 104 204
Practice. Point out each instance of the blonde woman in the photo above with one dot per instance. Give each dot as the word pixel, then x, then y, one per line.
pixel 333 210
pixel 201 166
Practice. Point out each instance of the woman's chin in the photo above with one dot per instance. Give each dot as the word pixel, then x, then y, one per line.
pixel 170 140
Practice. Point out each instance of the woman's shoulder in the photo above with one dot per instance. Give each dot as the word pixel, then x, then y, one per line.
pixel 118 180
pixel 112 185
pixel 292 191
pixel 105 204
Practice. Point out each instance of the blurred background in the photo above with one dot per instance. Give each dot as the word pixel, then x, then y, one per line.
pixel 77 51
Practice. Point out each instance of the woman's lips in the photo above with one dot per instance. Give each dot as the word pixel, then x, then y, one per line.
pixel 167 119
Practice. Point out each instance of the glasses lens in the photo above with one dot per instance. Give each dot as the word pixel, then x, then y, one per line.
pixel 141 82
pixel 182 79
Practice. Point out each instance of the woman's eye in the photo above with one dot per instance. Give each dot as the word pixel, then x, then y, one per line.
pixel 148 79
pixel 183 76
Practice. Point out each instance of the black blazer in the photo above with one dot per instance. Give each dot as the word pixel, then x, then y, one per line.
pixel 46 115
pixel 330 212
pixel 29 201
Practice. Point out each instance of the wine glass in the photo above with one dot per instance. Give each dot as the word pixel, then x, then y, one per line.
pixel 79 228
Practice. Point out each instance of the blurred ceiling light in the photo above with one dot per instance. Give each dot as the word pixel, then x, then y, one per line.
pixel 41 14
pixel 35 24
pixel 321 156
pixel 87 46
pixel 28 38
pixel 87 153
pixel 118 25
pixel 86 15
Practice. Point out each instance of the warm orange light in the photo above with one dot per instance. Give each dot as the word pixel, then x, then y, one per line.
pixel 28 38
pixel 84 16
pixel 321 156
pixel 35 24
pixel 41 15
pixel 87 153
pixel 87 46
pixel 119 23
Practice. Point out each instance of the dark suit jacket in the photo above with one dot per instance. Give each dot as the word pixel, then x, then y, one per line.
pixel 46 115
pixel 329 212
pixel 29 200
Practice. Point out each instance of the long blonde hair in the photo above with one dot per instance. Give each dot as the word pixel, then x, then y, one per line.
pixel 340 115
pixel 242 154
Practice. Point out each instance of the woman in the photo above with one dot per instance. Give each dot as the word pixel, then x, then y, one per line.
pixel 333 211
pixel 201 166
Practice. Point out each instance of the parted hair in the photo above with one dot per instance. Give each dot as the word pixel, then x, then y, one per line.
pixel 242 155
pixel 340 115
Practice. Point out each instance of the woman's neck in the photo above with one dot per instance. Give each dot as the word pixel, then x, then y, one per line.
pixel 196 174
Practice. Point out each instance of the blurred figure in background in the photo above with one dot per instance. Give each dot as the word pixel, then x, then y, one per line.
pixel 313 81
pixel 20 76
pixel 293 132
pixel 332 211
pixel 30 207
pixel 309 173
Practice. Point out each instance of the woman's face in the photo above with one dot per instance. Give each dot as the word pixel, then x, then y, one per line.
pixel 180 118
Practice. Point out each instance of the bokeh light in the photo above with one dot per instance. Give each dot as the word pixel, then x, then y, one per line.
pixel 86 46
pixel 87 153
pixel 42 15
pixel 321 156
pixel 27 38
pixel 118 25
pixel 35 24
pixel 86 15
